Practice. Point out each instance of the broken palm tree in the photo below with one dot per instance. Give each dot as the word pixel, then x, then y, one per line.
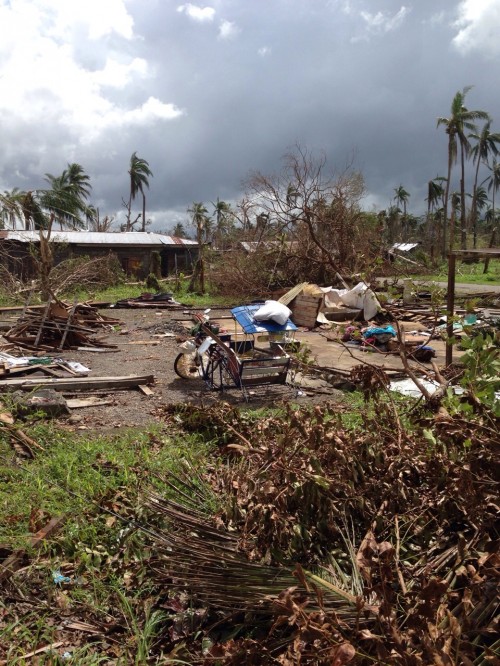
pixel 59 326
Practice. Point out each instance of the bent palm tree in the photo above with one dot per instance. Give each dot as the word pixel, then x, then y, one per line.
pixel 139 173
pixel 460 120
pixel 486 145
pixel 66 198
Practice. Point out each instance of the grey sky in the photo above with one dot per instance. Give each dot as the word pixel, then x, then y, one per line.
pixel 207 92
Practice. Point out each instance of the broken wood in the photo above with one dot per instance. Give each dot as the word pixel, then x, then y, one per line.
pixel 46 648
pixel 10 565
pixel 58 327
pixel 77 403
pixel 78 383
pixel 140 342
pixel 102 350
pixel 68 323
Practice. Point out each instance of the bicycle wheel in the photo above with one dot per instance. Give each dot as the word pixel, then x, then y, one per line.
pixel 186 366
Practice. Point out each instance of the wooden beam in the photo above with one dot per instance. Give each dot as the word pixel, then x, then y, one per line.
pixel 13 562
pixel 78 383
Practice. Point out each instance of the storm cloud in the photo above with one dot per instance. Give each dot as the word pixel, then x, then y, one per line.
pixel 207 92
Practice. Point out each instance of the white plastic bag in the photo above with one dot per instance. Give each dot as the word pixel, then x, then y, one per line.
pixel 273 311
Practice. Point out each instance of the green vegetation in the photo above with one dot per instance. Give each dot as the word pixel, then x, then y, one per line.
pixel 74 471
pixel 467 273
pixel 96 483
pixel 176 538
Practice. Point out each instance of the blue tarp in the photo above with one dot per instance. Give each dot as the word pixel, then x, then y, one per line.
pixel 244 316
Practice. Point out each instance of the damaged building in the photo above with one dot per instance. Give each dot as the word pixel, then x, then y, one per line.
pixel 133 250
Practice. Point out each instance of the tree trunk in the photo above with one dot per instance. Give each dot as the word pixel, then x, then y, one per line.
pixel 463 216
pixel 445 202
pixel 45 262
pixel 474 204
pixel 493 233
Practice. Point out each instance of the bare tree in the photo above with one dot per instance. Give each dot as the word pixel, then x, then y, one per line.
pixel 318 213
pixel 94 221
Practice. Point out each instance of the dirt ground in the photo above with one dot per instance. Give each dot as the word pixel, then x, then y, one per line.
pixel 144 349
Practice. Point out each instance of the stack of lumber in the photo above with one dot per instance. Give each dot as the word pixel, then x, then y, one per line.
pixel 59 326
pixel 422 314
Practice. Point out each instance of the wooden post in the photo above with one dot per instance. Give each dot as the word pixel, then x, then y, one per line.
pixel 68 323
pixel 450 307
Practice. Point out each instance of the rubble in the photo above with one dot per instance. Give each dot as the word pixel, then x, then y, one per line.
pixel 59 326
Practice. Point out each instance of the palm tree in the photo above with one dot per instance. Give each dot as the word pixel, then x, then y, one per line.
pixel 493 185
pixel 200 221
pixel 178 231
pixel 401 198
pixel 391 221
pixel 481 198
pixel 11 208
pixel 66 198
pixel 486 145
pixel 199 218
pixel 139 173
pixel 32 208
pixel 223 219
pixel 435 194
pixel 460 120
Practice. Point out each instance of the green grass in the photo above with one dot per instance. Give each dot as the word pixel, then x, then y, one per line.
pixel 97 483
pixel 178 289
pixel 133 290
pixel 74 472
pixel 467 273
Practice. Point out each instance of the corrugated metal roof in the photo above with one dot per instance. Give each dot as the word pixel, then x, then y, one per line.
pixel 97 238
pixel 404 247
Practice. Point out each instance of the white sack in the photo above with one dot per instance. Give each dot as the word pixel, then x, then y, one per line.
pixel 273 311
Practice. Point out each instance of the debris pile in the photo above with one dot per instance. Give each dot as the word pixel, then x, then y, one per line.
pixel 59 326
pixel 396 540
pixel 149 300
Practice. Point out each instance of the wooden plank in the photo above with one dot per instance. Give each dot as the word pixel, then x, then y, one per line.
pixel 140 342
pixel 77 403
pixel 78 383
pixel 101 350
pixel 13 562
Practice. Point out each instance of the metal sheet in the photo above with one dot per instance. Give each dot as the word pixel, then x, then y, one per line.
pixel 109 238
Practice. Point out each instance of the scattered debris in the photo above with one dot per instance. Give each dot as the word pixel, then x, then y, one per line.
pixel 79 383
pixel 44 401
pixel 59 326
pixel 147 300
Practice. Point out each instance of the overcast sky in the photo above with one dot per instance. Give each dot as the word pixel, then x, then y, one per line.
pixel 207 92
